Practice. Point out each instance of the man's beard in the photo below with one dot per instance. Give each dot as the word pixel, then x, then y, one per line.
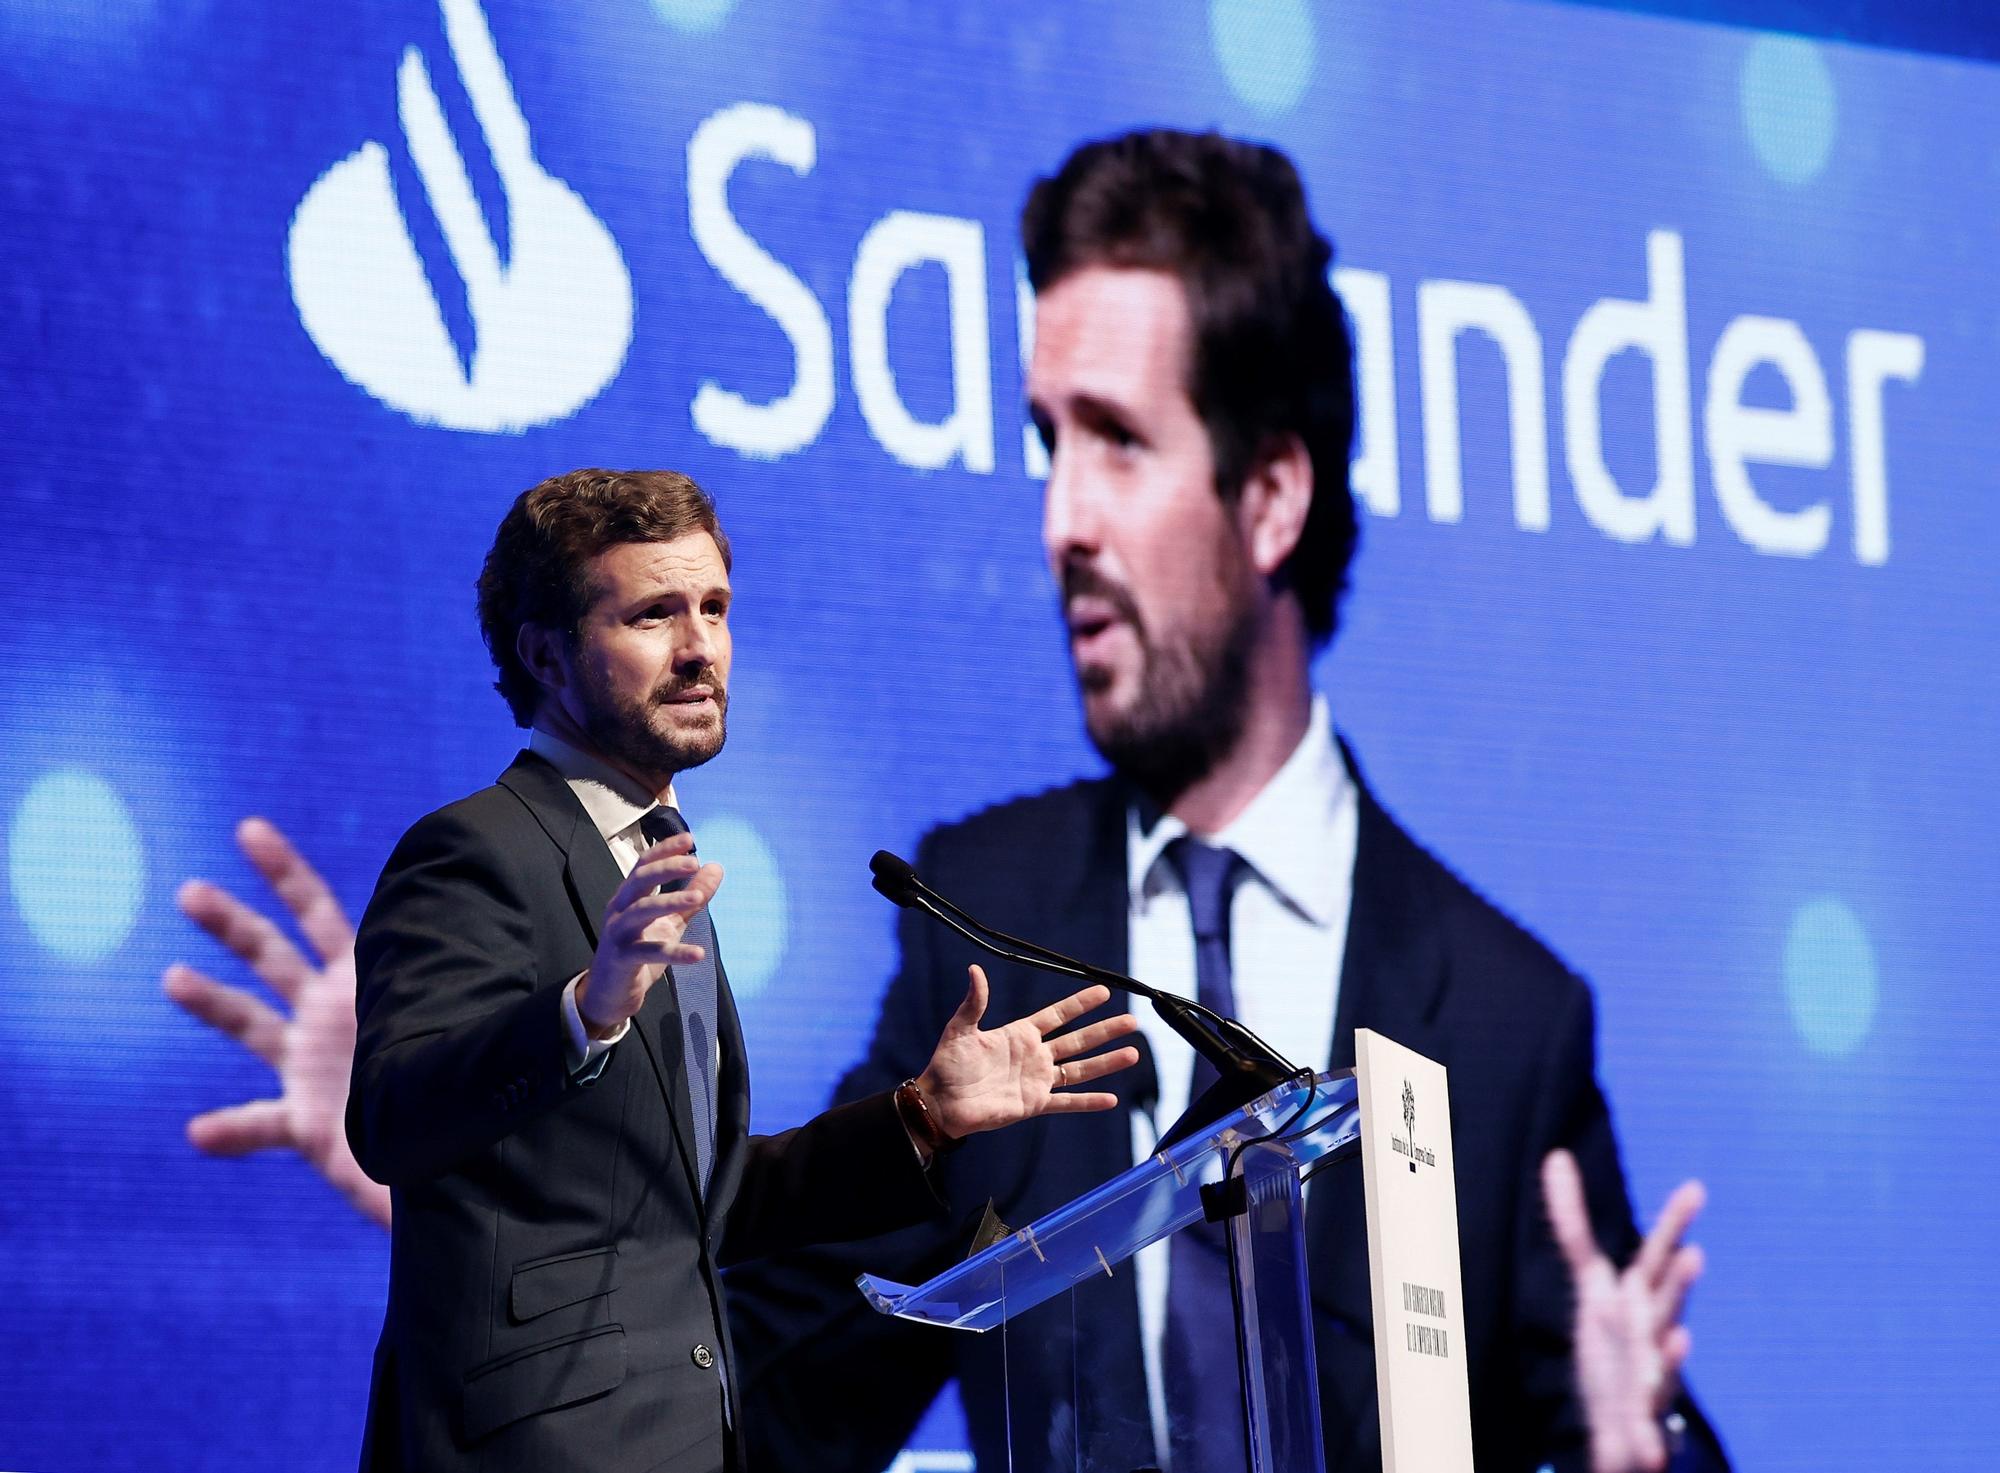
pixel 1192 700
pixel 625 731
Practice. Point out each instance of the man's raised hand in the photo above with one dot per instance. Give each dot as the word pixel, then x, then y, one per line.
pixel 312 1049
pixel 983 1079
pixel 641 933
pixel 1630 1342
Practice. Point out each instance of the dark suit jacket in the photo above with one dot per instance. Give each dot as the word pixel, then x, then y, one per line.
pixel 554 1297
pixel 1428 962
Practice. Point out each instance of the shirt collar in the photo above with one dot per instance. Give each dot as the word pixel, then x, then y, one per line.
pixel 1281 835
pixel 614 801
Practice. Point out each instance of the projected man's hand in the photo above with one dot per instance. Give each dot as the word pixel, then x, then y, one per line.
pixel 311 1050
pixel 1630 1342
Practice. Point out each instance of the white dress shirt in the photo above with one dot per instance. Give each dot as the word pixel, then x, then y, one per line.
pixel 616 805
pixel 1287 935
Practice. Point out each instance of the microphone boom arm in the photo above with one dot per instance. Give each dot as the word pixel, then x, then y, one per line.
pixel 1247 1066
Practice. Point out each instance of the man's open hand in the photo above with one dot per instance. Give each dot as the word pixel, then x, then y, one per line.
pixel 1630 1342
pixel 641 933
pixel 983 1079
pixel 312 1050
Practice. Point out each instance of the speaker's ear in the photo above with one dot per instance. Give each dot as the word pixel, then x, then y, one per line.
pixel 545 654
pixel 1276 498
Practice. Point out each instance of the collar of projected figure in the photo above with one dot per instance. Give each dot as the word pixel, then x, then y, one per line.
pixel 1281 835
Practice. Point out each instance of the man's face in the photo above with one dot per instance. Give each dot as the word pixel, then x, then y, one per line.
pixel 1158 589
pixel 650 666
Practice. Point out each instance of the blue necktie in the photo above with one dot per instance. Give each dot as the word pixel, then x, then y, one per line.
pixel 694 990
pixel 1199 1372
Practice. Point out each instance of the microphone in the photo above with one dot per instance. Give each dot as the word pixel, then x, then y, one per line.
pixel 1246 1066
pixel 895 878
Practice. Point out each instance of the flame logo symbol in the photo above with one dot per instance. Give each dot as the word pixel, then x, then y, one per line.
pixel 552 322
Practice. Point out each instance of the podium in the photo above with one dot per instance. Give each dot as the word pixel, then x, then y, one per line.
pixel 1248 1171
pixel 1255 1159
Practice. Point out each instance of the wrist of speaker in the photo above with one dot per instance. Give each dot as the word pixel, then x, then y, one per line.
pixel 921 1123
pixel 583 1046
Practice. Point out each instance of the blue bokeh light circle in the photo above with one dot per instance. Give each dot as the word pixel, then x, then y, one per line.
pixel 1789 107
pixel 696 17
pixel 752 910
pixel 1266 49
pixel 76 864
pixel 1830 977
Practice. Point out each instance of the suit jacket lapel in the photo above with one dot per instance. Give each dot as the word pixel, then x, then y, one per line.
pixel 732 1090
pixel 592 876
pixel 658 1026
pixel 1392 977
pixel 1090 913
pixel 589 872
pixel 1088 904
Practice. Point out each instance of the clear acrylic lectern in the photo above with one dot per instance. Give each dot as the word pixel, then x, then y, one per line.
pixel 1253 1161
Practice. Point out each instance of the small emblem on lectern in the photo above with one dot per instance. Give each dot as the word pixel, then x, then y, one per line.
pixel 1406 1143
pixel 1410 1118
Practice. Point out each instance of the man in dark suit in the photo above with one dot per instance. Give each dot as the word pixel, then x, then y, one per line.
pixel 1191 379
pixel 549 1073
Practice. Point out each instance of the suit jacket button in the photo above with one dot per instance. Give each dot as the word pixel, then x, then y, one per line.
pixel 704 1357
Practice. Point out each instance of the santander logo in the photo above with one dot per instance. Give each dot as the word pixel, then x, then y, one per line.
pixel 552 322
